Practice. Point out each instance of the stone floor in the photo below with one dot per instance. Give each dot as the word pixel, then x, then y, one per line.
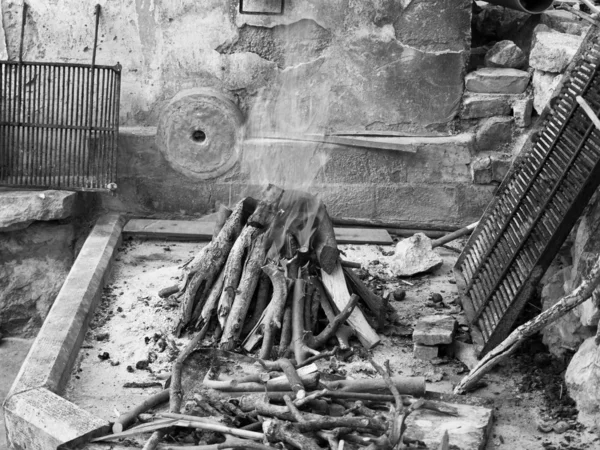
pixel 12 354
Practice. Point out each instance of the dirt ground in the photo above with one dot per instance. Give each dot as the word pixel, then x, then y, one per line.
pixel 130 341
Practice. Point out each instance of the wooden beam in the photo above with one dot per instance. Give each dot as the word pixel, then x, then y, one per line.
pixel 203 231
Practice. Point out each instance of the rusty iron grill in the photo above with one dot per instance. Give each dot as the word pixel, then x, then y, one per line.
pixel 58 123
pixel 534 209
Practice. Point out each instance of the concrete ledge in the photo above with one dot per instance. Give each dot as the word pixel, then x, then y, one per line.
pixel 50 360
pixel 40 420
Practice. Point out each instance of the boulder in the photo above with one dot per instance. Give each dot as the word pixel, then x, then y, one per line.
pixel 477 106
pixel 583 383
pixel 19 209
pixel 494 134
pixel 505 54
pixel 566 333
pixel 434 330
pixel 492 80
pixel 544 85
pixel 588 311
pixel 414 255
pixel 553 51
pixel 34 263
pixel 564 21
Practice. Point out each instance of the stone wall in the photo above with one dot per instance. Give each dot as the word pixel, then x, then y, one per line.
pixel 37 248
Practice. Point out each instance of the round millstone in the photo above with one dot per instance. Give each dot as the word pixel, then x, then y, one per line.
pixel 200 132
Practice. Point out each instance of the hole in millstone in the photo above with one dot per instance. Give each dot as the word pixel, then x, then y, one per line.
pixel 198 136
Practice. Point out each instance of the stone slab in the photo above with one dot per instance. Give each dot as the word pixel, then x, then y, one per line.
pixel 425 352
pixel 38 419
pixel 19 209
pixel 468 431
pixel 477 106
pixel 434 330
pixel 497 81
pixel 544 85
pixel 54 351
pixel 494 134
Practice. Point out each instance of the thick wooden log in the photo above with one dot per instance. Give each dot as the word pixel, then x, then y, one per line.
pixel 257 223
pixel 301 350
pixel 325 244
pixel 244 294
pixel 204 312
pixel 262 298
pixel 204 269
pixel 516 338
pixel 335 285
pixel 223 214
pixel 405 385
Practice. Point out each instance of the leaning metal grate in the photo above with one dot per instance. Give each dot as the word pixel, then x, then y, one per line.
pixel 59 123
pixel 534 210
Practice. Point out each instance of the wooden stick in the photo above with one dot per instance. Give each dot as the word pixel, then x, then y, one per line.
pixel 588 110
pixel 154 440
pixel 206 426
pixel 454 235
pixel 128 418
pixel 293 377
pixel 592 7
pixel 405 385
pixel 332 327
pixel 164 293
pixel 286 332
pixel 275 309
pixel 389 383
pixel 176 394
pixel 309 381
pixel 301 350
pixel 277 431
pixel 244 294
pixel 516 338
pixel 329 312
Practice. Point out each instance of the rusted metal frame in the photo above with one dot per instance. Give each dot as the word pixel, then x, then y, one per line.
pixel 527 188
pixel 540 214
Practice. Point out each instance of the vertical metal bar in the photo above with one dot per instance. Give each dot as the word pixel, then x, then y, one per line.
pixel 91 104
pixel 3 107
pixel 28 129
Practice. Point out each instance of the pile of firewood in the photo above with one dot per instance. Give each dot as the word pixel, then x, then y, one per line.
pixel 264 410
pixel 272 275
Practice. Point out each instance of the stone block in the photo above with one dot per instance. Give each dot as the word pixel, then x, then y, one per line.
pixel 481 170
pixel 522 110
pixel 583 383
pixel 469 430
pixel 425 352
pixel 497 81
pixel 553 51
pixel 494 134
pixel 477 106
pixel 505 54
pixel 500 166
pixel 472 200
pixel 434 330
pixel 544 84
pixel 19 209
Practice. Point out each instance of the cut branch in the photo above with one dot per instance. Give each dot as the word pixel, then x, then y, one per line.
pixel 325 243
pixel 376 304
pixel 516 338
pixel 128 418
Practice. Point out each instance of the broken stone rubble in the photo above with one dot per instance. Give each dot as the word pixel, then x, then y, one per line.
pixel 497 81
pixel 414 255
pixel 553 51
pixel 505 54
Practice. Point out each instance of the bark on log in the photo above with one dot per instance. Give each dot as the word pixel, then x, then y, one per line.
pixel 202 272
pixel 125 420
pixel 262 298
pixel 376 304
pixel 324 242
pixel 310 381
pixel 301 350
pixel 286 332
pixel 516 338
pixel 333 325
pixel 243 297
pixel 207 310
pixel 335 285
pixel 257 223
pixel 176 393
pixel 223 214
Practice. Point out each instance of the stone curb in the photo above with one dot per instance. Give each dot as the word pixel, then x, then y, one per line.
pixel 36 417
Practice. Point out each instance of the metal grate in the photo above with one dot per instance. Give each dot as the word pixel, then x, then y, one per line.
pixel 534 209
pixel 59 123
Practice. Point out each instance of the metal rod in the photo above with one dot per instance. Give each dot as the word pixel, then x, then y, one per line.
pixel 23 22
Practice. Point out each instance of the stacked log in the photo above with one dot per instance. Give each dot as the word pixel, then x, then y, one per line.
pixel 271 281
